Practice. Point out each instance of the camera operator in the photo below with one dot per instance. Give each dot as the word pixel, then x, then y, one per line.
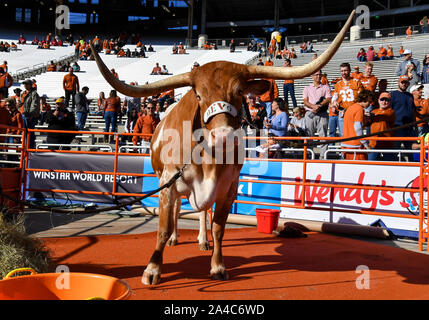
pixel 60 118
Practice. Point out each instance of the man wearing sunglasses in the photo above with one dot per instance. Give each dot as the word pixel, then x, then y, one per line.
pixel 405 110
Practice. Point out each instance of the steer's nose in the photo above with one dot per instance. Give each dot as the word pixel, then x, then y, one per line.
pixel 222 136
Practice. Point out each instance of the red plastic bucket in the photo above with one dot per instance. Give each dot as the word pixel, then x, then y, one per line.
pixel 267 220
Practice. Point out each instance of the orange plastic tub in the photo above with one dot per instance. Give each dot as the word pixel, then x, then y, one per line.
pixel 63 286
pixel 267 220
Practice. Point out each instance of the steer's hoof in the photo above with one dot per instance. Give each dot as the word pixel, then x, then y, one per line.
pixel 220 274
pixel 151 277
pixel 205 246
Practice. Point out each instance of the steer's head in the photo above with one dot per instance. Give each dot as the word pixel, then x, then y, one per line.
pixel 220 86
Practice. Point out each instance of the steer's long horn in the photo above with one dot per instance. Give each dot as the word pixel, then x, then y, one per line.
pixel 177 81
pixel 307 69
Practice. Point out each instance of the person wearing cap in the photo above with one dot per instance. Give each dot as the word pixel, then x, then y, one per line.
pixel 195 65
pixel 408 58
pixel 405 110
pixel 60 119
pixel 382 118
pixel 45 107
pixel 423 108
pixel 31 108
pixel 82 107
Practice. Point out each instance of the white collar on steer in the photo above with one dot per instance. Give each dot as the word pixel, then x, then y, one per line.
pixel 219 107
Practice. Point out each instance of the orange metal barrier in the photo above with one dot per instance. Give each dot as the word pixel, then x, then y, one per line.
pixel 421 190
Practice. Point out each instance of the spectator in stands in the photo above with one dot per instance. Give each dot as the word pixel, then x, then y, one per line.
pixel 370 54
pixel 405 110
pixel 382 118
pixel 303 47
pixel 195 65
pixel 424 24
pixel 297 123
pixel 111 111
pixel 232 46
pixel 268 97
pixel 82 108
pixel 422 107
pixel 357 74
pixel 71 87
pixel 412 74
pixel 76 67
pixel 146 124
pixel 401 51
pixel 15 120
pixel 425 72
pixel 346 92
pixel 52 66
pixel 381 53
pixel 292 53
pixel 164 70
pixel 288 86
pixel 354 123
pixel 150 48
pixel 368 80
pixel 156 70
pixel 361 56
pixel 277 122
pixel 69 39
pixel 131 103
pixel 408 58
pixel 100 103
pixel 269 62
pixel 31 109
pixel 390 53
pixel 130 124
pixel 22 40
pixel 4 66
pixel 175 49
pixel 260 62
pixel 17 97
pixel 115 74
pixel 409 32
pixel 181 48
pixel 60 119
pixel 6 81
pixel 45 107
pixel 316 100
pixel 35 41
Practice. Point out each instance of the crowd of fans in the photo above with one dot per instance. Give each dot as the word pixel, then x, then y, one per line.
pixel 348 106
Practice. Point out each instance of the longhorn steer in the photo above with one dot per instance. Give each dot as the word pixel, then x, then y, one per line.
pixel 214 103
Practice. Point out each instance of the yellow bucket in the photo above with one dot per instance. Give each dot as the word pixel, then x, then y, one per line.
pixel 62 286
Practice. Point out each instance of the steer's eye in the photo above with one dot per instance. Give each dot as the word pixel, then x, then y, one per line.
pixel 198 97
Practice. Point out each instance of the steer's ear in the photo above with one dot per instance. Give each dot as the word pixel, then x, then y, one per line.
pixel 257 87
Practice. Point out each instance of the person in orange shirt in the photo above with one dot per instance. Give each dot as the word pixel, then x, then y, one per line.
pixel 292 53
pixel 422 107
pixel 71 87
pixel 390 54
pixel 111 110
pixel 4 66
pixel 354 123
pixel 15 120
pixel 269 62
pixel 409 32
pixel 357 75
pixel 156 69
pixel 401 51
pixel 382 118
pixel 345 93
pixel 6 81
pixel 268 97
pixel 146 124
pixel 381 53
pixel 288 86
pixel 368 80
